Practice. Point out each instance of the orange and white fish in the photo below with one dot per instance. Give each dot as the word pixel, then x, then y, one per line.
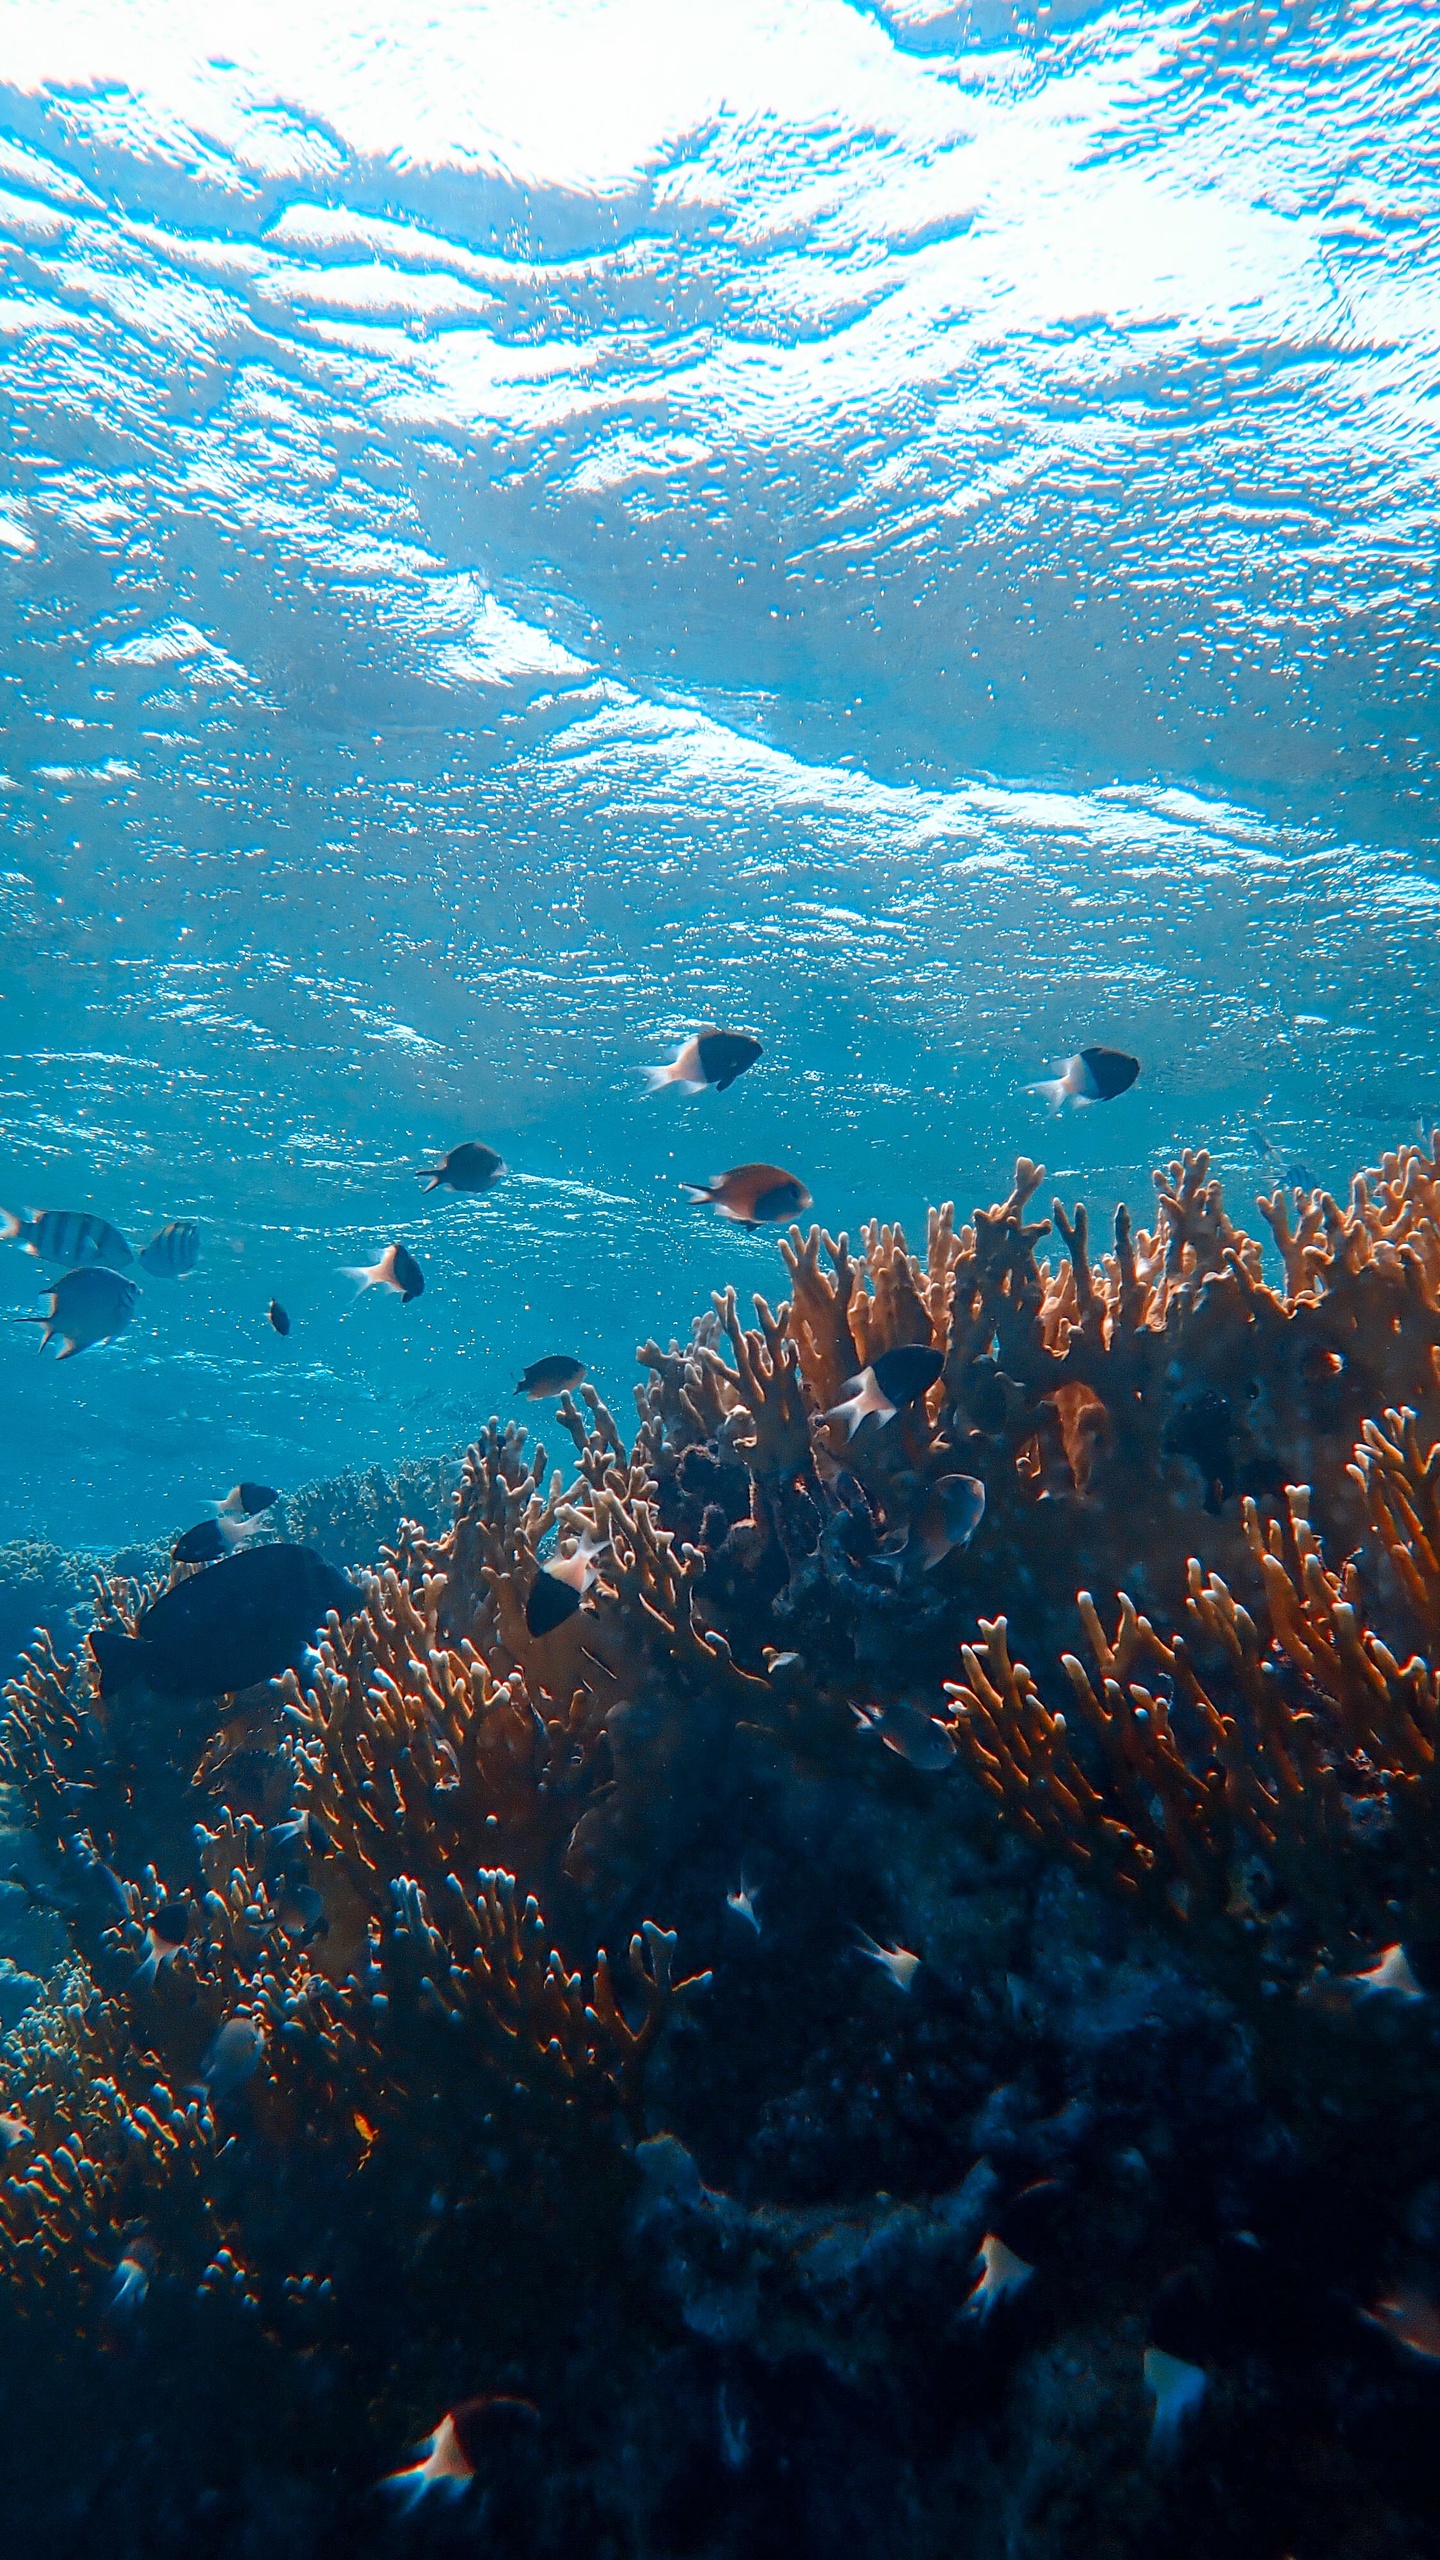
pixel 711 1058
pixel 396 1269
pixel 752 1194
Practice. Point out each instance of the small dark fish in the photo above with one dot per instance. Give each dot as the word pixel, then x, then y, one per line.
pixel 468 1168
pixel 1202 1429
pixel 66 1235
pixel 231 2056
pixel 460 2444
pixel 131 2279
pixel 247 1619
pixel 1298 1177
pixel 949 1517
pixel 1094 1075
pixel 300 1911
pixel 752 1194
pixel 175 1249
pixel 204 1544
pixel 278 1317
pixel 396 1269
pixel 247 1498
pixel 550 1377
pixel 898 1378
pixel 87 1307
pixel 1182 2329
pixel 711 1057
pixel 164 1938
pixel 299 1831
pixel 550 1603
pixel 909 1732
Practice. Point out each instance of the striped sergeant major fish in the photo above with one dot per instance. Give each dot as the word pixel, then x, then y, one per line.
pixel 71 1236
pixel 175 1249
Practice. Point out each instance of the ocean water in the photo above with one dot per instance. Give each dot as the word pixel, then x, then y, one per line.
pixel 910 529
pixel 526 527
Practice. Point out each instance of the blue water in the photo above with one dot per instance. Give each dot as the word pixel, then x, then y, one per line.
pixel 523 529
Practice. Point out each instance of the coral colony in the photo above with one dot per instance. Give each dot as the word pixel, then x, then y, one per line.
pixel 1067 2133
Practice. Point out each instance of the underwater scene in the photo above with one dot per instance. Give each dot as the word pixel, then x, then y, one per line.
pixel 719 1280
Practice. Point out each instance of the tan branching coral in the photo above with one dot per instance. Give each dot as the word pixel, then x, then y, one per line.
pixel 1306 1718
pixel 374 1905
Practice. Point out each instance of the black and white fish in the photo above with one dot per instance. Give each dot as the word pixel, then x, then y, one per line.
pixel 209 1540
pixel 396 1269
pixel 898 1378
pixel 472 2434
pixel 556 1591
pixel 1092 1075
pixel 278 1317
pixel 250 1618
pixel 710 1058
pixel 176 1249
pixel 247 1498
pixel 87 1307
pixel 66 1235
pixel 468 1168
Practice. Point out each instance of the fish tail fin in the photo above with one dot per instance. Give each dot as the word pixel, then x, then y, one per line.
pixel 1053 1088
pixel 697 1190
pixel 120 1659
pixel 14 1221
pixel 430 1179
pixel 365 1276
pixel 657 1077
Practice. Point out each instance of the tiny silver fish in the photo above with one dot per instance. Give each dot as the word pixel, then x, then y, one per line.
pixel 910 1732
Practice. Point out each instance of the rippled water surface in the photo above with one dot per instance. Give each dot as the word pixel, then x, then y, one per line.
pixel 526 528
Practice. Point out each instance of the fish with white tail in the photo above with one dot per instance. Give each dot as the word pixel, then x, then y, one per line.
pixel 396 1269
pixel 712 1057
pixel 471 2436
pixel 898 1962
pixel 1092 1075
pixel 558 1587
pixel 898 1378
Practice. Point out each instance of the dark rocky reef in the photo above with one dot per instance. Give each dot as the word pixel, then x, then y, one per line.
pixel 876 2050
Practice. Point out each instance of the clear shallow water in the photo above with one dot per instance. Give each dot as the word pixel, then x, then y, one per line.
pixel 520 531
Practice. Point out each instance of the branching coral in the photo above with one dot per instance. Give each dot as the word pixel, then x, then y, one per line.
pixel 341 1937
pixel 1232 1773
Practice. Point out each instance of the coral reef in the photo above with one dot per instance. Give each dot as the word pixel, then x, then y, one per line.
pixel 350 1517
pixel 822 2018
